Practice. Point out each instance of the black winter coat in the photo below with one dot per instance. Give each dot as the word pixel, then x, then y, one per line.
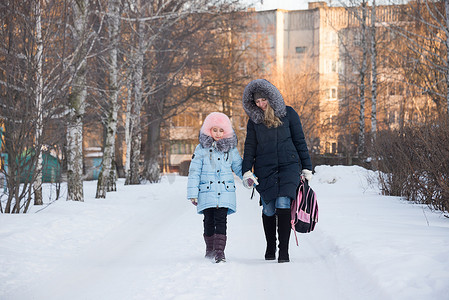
pixel 277 154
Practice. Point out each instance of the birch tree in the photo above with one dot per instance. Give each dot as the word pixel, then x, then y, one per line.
pixel 128 128
pixel 353 54
pixel 37 184
pixel 361 56
pixel 134 106
pixel 446 43
pixel 19 77
pixel 77 101
pixel 107 176
pixel 362 86
pixel 373 34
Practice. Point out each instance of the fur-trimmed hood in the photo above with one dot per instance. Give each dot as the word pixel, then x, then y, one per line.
pixel 223 145
pixel 273 95
pixel 217 119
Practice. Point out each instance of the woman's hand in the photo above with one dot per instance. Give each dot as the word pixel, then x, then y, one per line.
pixel 307 174
pixel 194 201
pixel 249 180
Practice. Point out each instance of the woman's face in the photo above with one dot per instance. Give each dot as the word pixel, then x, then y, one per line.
pixel 217 133
pixel 262 103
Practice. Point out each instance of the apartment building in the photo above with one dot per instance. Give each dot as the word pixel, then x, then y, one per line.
pixel 319 37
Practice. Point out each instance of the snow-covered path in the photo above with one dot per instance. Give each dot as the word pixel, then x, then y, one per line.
pixel 145 242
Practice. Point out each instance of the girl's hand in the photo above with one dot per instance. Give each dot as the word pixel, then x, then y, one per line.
pixel 194 201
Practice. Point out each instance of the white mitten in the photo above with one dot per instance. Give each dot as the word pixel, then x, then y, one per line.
pixel 307 174
pixel 249 180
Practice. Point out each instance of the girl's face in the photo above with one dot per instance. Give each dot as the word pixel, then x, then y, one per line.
pixel 217 133
pixel 262 103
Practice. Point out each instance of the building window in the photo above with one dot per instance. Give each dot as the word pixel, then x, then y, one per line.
pixel 330 66
pixel 395 89
pixel 182 147
pixel 272 41
pixel 300 49
pixel 332 94
pixel 358 39
pixel 334 148
pixel 327 147
pixel 392 117
pixel 184 120
pixel 341 67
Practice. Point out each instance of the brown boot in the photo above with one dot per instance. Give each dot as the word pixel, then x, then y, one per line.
pixel 210 252
pixel 219 246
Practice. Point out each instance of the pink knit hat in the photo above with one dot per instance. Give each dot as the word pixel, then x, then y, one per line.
pixel 217 119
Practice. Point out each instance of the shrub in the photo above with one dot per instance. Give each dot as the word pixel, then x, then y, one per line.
pixel 415 163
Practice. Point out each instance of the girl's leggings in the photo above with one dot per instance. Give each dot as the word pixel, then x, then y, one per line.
pixel 215 221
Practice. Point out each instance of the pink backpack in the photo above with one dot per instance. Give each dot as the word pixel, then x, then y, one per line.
pixel 304 209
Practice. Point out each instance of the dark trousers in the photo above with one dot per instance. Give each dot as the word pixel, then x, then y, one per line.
pixel 215 221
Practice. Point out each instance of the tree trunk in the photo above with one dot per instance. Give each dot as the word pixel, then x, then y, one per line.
pixel 75 146
pixel 128 132
pixel 136 141
pixel 374 72
pixel 373 82
pixel 446 7
pixel 37 184
pixel 107 176
pixel 361 148
pixel 152 172
pixel 76 107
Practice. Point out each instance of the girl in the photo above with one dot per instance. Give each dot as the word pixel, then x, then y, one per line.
pixel 211 186
pixel 276 147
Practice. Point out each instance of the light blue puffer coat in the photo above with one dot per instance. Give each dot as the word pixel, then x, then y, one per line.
pixel 211 180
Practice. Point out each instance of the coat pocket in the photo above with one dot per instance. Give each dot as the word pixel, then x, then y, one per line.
pixel 204 187
pixel 288 157
pixel 230 186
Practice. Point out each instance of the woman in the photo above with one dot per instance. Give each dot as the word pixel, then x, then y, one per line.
pixel 275 146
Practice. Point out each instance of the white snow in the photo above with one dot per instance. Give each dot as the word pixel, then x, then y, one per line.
pixel 145 242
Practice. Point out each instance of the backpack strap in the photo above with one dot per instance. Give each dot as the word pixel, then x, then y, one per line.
pixel 295 206
pixel 296 237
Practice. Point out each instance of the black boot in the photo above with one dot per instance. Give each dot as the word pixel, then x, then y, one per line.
pixel 210 253
pixel 284 227
pixel 219 246
pixel 269 227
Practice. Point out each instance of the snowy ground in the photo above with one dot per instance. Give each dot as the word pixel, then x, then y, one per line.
pixel 145 242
